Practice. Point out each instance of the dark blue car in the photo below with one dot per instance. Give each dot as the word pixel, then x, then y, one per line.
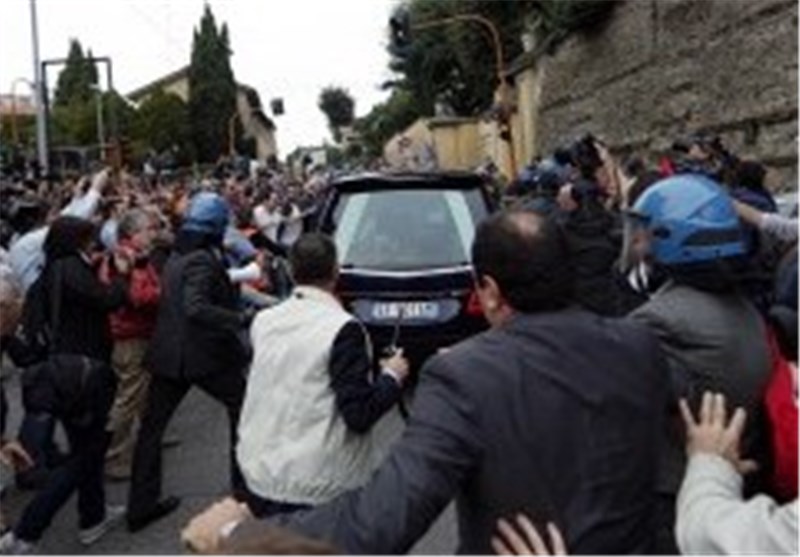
pixel 404 251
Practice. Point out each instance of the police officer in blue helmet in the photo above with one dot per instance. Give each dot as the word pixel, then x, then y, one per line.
pixel 197 342
pixel 712 335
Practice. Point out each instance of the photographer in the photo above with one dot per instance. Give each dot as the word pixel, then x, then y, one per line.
pixel 593 231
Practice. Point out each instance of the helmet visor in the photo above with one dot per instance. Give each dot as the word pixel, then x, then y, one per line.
pixel 635 241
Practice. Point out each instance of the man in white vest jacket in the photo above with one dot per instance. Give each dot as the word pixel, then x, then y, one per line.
pixel 307 428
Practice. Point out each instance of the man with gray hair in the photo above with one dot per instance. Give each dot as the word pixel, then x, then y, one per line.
pixel 131 328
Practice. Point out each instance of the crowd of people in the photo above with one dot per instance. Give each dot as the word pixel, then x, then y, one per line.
pixel 640 359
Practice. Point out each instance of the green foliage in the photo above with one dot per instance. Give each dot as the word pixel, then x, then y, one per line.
pixel 26 130
pixel 212 89
pixel 162 124
pixel 75 123
pixel 555 19
pixel 76 79
pixel 385 120
pixel 455 63
pixel 339 108
pixel 122 110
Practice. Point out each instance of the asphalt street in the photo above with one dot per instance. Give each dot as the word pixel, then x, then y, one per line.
pixel 196 470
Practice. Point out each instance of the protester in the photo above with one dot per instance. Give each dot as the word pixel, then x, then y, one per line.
pixel 686 226
pixel 712 515
pixel 131 326
pixel 313 399
pixel 496 419
pixel 26 255
pixel 78 306
pixel 196 343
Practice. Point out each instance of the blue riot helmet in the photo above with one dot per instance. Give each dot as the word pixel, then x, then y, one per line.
pixel 688 219
pixel 207 213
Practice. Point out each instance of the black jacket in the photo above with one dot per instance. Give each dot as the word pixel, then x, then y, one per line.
pixel 556 415
pixel 594 237
pixel 83 326
pixel 199 328
pixel 362 397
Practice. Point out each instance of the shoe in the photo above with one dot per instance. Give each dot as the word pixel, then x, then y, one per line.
pixel 114 515
pixel 12 545
pixel 162 509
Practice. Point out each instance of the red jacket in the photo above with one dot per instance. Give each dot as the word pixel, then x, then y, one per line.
pixel 782 415
pixel 137 319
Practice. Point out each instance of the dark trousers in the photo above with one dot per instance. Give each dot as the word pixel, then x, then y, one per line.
pixel 82 471
pixel 163 397
pixel 36 436
pixel 264 508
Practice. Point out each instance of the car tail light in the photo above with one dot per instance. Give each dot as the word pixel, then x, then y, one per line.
pixel 474 304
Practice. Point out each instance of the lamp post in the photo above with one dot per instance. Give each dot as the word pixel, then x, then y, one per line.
pixel 41 98
pixel 504 112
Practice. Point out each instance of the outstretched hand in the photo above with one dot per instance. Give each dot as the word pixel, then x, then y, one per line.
pixel 714 434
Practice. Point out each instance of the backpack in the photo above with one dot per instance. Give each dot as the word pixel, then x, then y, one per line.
pixel 59 384
pixel 34 333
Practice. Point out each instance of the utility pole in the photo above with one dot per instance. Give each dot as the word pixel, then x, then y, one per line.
pixel 40 99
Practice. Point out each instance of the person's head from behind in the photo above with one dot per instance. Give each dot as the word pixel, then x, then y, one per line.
pixel 312 260
pixel 69 236
pixel 137 228
pixel 522 264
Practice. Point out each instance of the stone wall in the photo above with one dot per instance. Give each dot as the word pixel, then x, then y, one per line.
pixel 658 69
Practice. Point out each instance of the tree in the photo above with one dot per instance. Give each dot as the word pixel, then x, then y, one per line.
pixel 339 107
pixel 385 120
pixel 455 63
pixel 162 124
pixel 77 78
pixel 212 89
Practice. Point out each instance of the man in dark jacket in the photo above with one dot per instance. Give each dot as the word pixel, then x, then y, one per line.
pixel 553 412
pixel 197 342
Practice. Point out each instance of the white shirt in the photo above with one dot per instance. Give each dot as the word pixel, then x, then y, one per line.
pixel 713 518
pixel 267 222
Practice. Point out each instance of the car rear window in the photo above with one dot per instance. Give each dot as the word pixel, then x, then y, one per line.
pixel 407 229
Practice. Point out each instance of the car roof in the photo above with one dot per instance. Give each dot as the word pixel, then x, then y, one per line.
pixel 408 180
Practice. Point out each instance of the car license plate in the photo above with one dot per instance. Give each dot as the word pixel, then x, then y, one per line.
pixel 387 311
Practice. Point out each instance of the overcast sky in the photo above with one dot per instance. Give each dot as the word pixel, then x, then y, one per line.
pixel 289 49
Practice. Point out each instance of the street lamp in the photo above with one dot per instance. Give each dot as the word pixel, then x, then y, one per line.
pixel 100 131
pixel 14 130
pixel 402 27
